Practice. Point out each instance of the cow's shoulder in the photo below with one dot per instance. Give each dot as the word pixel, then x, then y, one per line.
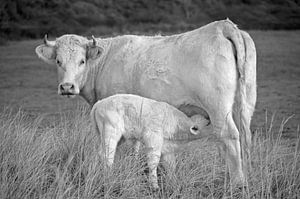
pixel 126 40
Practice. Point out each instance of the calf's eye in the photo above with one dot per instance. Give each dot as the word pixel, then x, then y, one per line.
pixel 58 62
pixel 82 62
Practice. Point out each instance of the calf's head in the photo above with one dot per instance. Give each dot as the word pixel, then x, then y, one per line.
pixel 71 54
pixel 198 123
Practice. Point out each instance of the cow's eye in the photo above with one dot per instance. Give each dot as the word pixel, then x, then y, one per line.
pixel 82 62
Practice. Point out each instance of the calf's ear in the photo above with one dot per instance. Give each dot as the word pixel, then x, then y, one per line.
pixel 195 130
pixel 46 53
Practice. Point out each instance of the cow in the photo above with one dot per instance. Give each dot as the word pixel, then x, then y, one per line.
pixel 209 71
pixel 162 128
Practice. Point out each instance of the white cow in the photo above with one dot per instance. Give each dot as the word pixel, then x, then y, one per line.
pixel 161 127
pixel 209 71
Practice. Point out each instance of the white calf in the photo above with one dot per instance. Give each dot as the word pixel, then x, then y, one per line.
pixel 158 125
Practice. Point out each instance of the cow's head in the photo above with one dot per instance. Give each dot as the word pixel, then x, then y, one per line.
pixel 71 54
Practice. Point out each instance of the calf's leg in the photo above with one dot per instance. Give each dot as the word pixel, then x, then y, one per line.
pixel 153 143
pixel 112 136
pixel 169 161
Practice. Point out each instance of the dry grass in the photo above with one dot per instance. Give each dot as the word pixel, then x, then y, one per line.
pixel 59 160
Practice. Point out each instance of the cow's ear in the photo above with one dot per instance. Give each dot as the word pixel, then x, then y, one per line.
pixel 46 53
pixel 195 130
pixel 93 52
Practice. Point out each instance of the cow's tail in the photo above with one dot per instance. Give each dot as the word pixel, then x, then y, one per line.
pixel 242 112
pixel 249 90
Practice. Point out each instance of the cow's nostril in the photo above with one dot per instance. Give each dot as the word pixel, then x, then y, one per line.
pixel 67 87
pixel 61 87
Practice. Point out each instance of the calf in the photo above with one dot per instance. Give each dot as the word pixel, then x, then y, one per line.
pixel 161 127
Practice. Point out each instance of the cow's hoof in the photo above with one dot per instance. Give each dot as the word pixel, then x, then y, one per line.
pixel 239 183
pixel 155 189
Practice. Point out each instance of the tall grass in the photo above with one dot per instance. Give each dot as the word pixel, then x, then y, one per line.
pixel 60 160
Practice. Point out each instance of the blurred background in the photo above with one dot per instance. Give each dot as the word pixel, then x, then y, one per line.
pixel 33 18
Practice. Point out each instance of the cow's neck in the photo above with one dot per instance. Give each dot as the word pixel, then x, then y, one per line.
pixel 88 92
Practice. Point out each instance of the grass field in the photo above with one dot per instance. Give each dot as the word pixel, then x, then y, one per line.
pixel 47 150
pixel 59 160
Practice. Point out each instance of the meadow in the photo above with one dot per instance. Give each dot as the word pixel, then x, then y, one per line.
pixel 47 149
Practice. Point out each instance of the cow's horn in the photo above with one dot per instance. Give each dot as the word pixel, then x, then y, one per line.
pixel 47 42
pixel 94 40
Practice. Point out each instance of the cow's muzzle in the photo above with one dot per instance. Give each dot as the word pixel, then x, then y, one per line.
pixel 67 89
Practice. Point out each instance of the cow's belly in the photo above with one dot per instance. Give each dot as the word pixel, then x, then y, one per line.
pixel 173 90
pixel 190 110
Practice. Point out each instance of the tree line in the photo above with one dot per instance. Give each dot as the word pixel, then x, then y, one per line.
pixel 34 18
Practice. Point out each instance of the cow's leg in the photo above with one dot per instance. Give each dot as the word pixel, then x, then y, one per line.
pixel 218 98
pixel 225 127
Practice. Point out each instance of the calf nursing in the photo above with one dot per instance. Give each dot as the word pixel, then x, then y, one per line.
pixel 158 125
